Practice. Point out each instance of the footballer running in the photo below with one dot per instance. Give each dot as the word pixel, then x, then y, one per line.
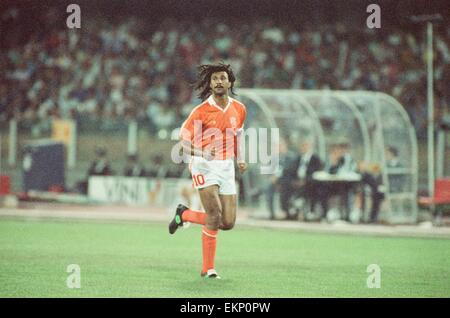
pixel 210 135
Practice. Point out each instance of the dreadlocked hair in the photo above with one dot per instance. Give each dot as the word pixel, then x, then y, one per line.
pixel 204 78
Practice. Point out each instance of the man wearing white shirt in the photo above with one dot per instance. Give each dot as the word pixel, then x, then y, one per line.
pixel 341 163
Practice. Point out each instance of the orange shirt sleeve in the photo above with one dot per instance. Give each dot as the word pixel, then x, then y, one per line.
pixel 243 117
pixel 240 129
pixel 187 129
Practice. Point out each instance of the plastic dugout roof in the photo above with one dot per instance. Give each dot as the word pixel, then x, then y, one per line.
pixel 369 122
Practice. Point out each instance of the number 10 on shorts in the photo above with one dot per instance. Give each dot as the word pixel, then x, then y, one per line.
pixel 199 179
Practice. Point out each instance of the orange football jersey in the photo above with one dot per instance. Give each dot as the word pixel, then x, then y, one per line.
pixel 208 125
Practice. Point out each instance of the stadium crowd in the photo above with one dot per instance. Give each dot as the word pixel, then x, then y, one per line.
pixel 131 70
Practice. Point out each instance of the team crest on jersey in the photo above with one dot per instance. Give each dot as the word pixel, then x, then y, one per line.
pixel 233 122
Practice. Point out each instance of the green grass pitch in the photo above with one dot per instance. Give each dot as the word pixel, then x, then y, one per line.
pixel 143 260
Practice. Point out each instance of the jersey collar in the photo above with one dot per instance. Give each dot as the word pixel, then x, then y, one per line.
pixel 212 102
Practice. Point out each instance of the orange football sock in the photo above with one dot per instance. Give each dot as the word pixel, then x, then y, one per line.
pixel 194 217
pixel 209 238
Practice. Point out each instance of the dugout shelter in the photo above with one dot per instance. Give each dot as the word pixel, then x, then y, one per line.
pixel 370 121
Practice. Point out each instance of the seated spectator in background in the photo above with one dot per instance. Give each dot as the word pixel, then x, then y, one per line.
pixel 340 163
pixel 100 166
pixel 277 180
pixel 396 178
pixel 133 168
pixel 371 179
pixel 345 163
pixel 392 160
pixel 302 169
pixel 157 168
pixel 174 171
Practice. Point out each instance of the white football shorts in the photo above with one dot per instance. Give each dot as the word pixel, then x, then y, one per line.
pixel 206 173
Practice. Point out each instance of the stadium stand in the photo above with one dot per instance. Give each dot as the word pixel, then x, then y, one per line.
pixel 118 71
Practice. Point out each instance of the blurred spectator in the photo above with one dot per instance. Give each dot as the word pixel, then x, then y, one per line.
pixel 100 166
pixel 343 163
pixel 302 168
pixel 175 171
pixel 133 168
pixel 392 160
pixel 278 179
pixel 396 175
pixel 340 163
pixel 371 180
pixel 157 169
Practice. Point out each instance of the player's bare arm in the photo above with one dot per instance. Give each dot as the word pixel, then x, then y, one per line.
pixel 240 151
pixel 207 153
